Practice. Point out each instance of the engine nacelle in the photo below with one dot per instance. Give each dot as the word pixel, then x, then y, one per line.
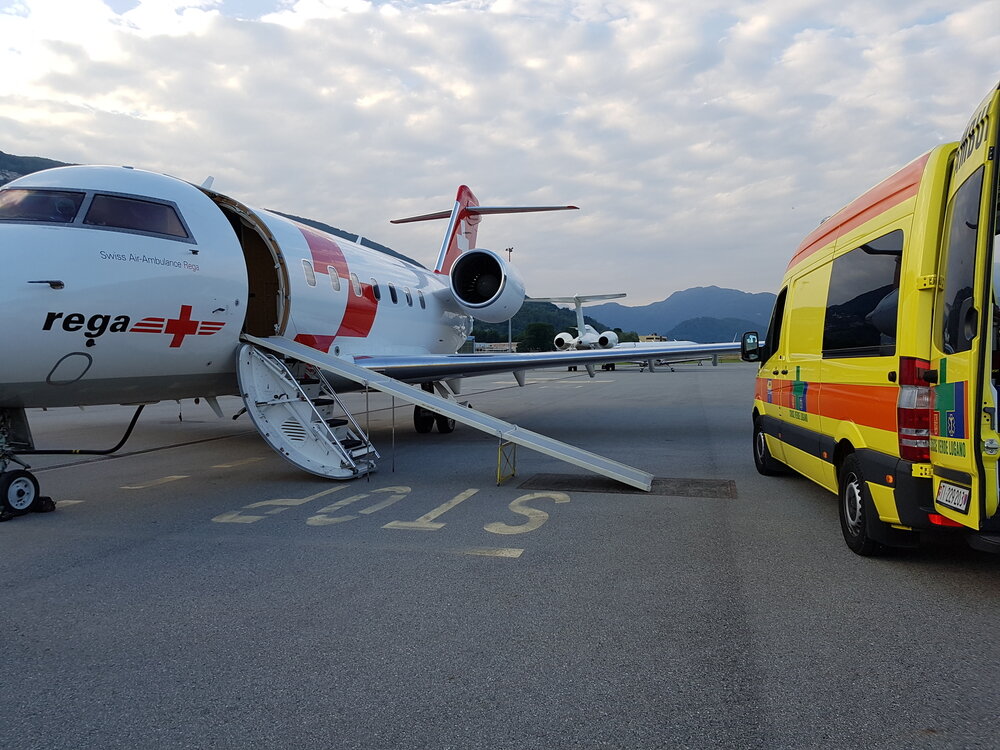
pixel 564 341
pixel 608 340
pixel 486 286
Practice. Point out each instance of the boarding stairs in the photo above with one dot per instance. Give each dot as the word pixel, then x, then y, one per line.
pixel 264 350
pixel 299 414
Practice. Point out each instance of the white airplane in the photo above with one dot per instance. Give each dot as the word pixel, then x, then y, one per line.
pixel 123 286
pixel 586 336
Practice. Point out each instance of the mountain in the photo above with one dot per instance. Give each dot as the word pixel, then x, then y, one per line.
pixel 533 312
pixel 707 330
pixel 698 302
pixel 12 167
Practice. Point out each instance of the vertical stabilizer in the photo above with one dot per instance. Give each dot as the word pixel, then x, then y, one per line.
pixel 462 229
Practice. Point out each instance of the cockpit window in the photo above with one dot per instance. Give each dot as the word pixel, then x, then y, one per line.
pixel 55 206
pixel 117 212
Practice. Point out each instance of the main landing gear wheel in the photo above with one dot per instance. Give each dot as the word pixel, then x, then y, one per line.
pixel 18 491
pixel 423 420
pixel 444 424
pixel 855 510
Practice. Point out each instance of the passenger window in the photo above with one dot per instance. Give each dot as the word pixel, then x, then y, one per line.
pixel 334 278
pixel 959 323
pixel 420 296
pixel 307 267
pixel 863 300
pixel 409 297
pixel 392 293
pixel 134 214
pixel 375 289
pixel 356 284
pixel 56 206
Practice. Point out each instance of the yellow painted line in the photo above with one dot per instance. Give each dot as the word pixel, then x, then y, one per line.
pixel 424 523
pixel 155 482
pixel 492 552
pixel 234 464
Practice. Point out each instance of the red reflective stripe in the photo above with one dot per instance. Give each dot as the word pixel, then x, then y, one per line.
pixel 879 199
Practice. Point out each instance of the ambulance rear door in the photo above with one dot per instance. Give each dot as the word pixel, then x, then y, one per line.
pixel 963 430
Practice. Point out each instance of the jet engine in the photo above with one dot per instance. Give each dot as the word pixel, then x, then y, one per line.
pixel 486 286
pixel 564 341
pixel 608 340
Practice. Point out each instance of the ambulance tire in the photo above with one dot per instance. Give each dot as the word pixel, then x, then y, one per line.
pixel 857 510
pixel 766 464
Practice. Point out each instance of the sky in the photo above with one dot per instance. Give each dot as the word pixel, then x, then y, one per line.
pixel 701 141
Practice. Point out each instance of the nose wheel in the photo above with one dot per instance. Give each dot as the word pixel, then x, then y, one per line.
pixel 19 494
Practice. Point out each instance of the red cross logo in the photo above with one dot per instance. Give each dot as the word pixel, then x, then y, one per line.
pixel 181 327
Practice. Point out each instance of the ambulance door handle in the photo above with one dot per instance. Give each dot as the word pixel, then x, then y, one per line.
pixel 991 414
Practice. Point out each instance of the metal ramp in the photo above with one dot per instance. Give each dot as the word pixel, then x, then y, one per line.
pixel 505 431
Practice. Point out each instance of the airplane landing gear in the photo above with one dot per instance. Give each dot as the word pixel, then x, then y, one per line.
pixel 19 495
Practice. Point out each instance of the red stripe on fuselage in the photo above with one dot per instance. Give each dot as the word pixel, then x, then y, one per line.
pixel 359 316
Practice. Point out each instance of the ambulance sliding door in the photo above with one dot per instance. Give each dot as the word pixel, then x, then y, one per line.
pixel 963 432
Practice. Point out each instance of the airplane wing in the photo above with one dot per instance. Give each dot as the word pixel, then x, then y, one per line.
pixel 423 368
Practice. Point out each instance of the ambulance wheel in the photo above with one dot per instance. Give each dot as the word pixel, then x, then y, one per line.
pixel 18 490
pixel 856 509
pixel 766 464
pixel 423 420
pixel 444 424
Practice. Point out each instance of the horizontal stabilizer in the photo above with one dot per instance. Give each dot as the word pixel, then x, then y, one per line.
pixel 484 211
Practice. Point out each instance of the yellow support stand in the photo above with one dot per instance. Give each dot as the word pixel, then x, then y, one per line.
pixel 506 461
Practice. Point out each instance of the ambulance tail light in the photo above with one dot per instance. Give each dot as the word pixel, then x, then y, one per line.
pixel 913 410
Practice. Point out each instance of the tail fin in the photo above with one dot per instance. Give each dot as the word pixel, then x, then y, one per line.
pixel 577 300
pixel 463 224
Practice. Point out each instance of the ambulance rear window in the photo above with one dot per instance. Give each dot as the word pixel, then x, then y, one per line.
pixel 863 301
pixel 49 206
pixel 136 215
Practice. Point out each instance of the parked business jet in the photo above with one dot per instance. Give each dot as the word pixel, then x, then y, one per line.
pixel 586 336
pixel 123 286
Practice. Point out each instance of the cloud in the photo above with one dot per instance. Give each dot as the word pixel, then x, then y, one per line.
pixel 700 141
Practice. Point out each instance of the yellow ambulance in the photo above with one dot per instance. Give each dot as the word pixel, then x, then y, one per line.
pixel 878 375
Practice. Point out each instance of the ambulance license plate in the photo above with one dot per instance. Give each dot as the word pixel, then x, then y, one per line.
pixel 952 496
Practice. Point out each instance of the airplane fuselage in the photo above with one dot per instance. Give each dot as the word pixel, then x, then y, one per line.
pixel 125 286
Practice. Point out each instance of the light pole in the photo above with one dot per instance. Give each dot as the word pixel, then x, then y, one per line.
pixel 510 342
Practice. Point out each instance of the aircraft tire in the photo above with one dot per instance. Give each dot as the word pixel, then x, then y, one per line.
pixel 856 506
pixel 444 424
pixel 18 491
pixel 766 464
pixel 423 420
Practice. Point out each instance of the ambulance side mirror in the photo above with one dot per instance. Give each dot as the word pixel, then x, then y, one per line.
pixel 750 349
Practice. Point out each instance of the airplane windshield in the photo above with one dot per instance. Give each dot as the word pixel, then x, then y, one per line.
pixel 119 212
pixel 57 206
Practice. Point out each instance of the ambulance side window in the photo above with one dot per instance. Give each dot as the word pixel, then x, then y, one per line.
pixel 959 322
pixel 863 300
pixel 773 338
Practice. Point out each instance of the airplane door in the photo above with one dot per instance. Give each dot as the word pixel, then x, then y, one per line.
pixel 964 440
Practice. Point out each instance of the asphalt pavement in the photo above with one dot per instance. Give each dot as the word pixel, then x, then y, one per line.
pixel 197 591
